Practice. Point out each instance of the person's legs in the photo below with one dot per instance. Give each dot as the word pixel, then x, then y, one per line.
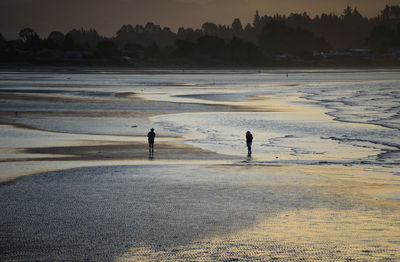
pixel 249 147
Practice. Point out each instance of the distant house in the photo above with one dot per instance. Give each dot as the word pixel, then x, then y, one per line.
pixel 24 52
pixel 350 52
pixel 360 52
pixel 394 52
pixel 135 53
pixel 63 53
pixel 283 57
pixel 330 53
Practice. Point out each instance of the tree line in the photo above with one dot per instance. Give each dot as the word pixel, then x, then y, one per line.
pixel 257 43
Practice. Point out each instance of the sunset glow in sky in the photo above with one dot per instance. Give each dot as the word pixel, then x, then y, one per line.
pixel 107 16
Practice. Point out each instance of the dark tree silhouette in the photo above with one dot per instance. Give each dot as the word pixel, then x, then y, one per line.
pixel 85 38
pixel 209 29
pixel 382 38
pixel 57 38
pixel 27 35
pixel 189 34
pixel 145 35
pixel 279 38
pixel 30 39
pixel 343 32
pixel 107 48
pixel 133 47
pixel 2 39
pixel 3 44
pixel 296 35
pixel 243 52
pixel 69 43
pixel 126 34
pixel 256 19
pixel 153 51
pixel 211 46
pixel 390 12
pixel 237 27
pixel 185 48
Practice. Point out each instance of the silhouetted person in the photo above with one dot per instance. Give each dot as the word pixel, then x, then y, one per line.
pixel 249 140
pixel 151 135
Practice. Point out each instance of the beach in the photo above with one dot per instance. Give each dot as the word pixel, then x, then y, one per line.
pixel 78 182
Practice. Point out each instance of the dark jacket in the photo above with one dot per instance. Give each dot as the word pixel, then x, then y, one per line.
pixel 151 135
pixel 249 137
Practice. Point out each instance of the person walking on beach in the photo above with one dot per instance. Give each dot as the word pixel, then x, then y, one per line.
pixel 150 136
pixel 249 140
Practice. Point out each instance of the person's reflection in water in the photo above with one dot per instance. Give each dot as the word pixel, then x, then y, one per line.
pixel 151 156
pixel 151 136
pixel 249 158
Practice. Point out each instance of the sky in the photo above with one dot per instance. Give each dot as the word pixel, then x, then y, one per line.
pixel 107 16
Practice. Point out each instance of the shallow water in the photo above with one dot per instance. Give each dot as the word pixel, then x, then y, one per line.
pixel 333 116
pixel 326 148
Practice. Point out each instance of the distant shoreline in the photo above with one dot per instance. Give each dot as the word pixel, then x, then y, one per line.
pixel 112 68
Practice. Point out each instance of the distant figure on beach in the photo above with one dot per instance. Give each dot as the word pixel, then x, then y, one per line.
pixel 150 136
pixel 249 140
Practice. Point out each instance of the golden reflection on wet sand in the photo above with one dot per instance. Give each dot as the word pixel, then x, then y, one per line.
pixel 368 232
pixel 310 235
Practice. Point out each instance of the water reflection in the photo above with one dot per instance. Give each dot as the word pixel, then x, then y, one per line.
pixel 249 158
pixel 151 155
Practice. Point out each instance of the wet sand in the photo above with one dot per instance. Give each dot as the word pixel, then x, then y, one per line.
pixel 128 151
pixel 40 151
pixel 108 200
pixel 195 212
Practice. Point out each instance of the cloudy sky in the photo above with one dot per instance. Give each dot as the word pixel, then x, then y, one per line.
pixel 107 16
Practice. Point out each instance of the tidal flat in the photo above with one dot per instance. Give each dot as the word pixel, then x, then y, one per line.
pixel 78 183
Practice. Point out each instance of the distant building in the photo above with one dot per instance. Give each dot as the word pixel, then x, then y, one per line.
pixel 360 52
pixel 350 52
pixel 394 52
pixel 63 53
